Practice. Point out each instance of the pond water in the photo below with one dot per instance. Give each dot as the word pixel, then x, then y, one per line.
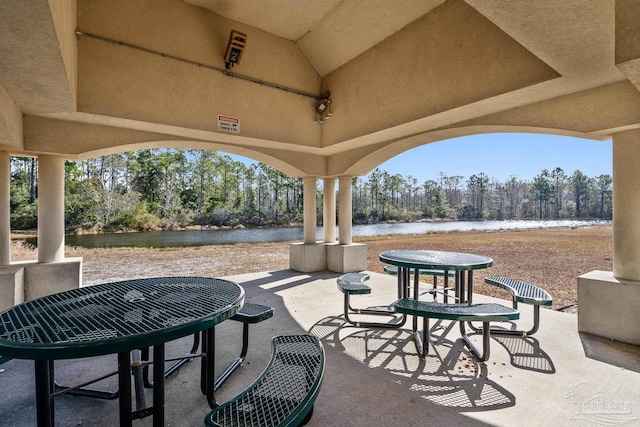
pixel 165 239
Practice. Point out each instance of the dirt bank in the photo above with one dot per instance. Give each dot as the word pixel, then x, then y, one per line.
pixel 551 258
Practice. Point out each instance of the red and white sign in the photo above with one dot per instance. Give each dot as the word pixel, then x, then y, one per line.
pixel 228 124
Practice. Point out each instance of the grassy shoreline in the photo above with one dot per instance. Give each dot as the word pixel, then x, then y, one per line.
pixel 552 258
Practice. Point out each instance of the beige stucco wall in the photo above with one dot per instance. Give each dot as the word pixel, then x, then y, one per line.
pixel 11 286
pixel 10 122
pixel 608 306
pixel 36 64
pixel 609 107
pixel 374 92
pixel 627 35
pixel 85 140
pixel 63 13
pixel 27 280
pixel 405 92
pixel 626 197
pixel 122 81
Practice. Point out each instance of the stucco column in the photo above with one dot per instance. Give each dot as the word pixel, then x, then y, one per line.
pixel 329 210
pixel 50 208
pixel 345 217
pixel 626 205
pixel 5 210
pixel 309 210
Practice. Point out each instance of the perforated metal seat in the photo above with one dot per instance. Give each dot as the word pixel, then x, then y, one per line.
pixel 353 284
pixel 525 293
pixel 285 392
pixel 485 313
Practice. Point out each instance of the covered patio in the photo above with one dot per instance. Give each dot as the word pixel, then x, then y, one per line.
pixel 326 93
pixel 329 92
pixel 374 376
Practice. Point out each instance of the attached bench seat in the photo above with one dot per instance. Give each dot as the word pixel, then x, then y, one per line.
pixel 250 313
pixel 393 269
pixel 485 313
pixel 285 392
pixel 353 284
pixel 525 293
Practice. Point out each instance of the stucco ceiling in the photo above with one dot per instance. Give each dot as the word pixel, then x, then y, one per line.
pixel 401 74
pixel 329 32
pixel 332 32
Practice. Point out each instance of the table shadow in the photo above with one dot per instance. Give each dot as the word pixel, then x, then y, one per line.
pixel 448 376
pixel 525 353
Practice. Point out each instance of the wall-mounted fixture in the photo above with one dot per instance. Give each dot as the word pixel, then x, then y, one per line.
pixel 235 47
pixel 323 108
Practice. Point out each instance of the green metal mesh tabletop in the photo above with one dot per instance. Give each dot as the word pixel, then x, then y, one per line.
pixel 116 317
pixel 436 260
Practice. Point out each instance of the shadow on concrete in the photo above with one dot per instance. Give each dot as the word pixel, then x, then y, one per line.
pixel 448 377
pixel 373 377
pixel 615 353
pixel 525 353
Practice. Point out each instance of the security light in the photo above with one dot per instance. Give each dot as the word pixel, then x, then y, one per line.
pixel 235 47
pixel 323 108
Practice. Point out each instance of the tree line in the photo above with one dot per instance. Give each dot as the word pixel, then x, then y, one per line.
pixel 381 196
pixel 169 188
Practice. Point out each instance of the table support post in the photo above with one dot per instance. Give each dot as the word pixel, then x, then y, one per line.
pixel 207 373
pixel 407 282
pixel 446 287
pixel 158 385
pixel 124 387
pixel 203 362
pixel 416 293
pixel 44 384
pixel 461 286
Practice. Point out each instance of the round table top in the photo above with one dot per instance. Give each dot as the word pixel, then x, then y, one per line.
pixel 116 317
pixel 435 260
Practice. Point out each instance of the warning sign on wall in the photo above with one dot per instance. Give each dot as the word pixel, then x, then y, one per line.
pixel 228 124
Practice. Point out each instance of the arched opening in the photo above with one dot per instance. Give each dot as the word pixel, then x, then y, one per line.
pixel 491 176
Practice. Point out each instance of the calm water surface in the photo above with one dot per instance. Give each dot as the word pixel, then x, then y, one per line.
pixel 167 239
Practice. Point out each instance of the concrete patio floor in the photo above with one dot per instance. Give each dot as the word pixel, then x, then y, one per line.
pixel 374 377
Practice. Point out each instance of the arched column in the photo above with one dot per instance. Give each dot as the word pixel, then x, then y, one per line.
pixel 329 210
pixel 626 207
pixel 310 227
pixel 346 256
pixel 308 256
pixel 608 301
pixel 5 210
pixel 50 209
pixel 345 215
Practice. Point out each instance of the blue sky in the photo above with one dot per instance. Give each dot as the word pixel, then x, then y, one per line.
pixel 501 155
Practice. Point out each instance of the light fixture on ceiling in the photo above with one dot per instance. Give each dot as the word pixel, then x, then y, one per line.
pixel 323 108
pixel 235 47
